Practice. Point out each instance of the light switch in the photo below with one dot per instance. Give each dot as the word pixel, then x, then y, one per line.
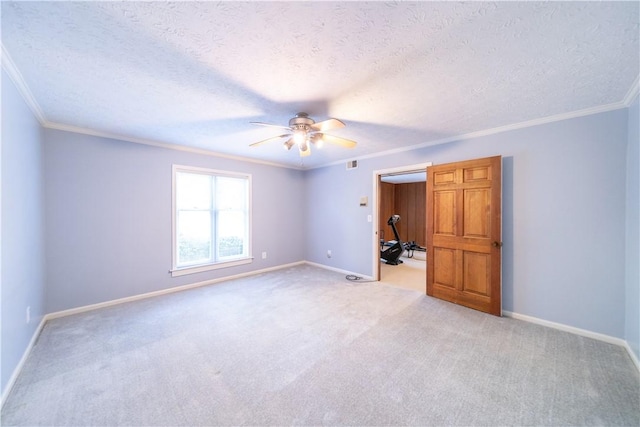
pixel 364 201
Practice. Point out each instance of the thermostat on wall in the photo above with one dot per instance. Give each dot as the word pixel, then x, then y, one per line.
pixel 364 201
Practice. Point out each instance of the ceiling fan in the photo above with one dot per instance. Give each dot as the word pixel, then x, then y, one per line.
pixel 303 131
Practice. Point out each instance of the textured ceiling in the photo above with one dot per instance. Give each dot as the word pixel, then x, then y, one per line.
pixel 398 74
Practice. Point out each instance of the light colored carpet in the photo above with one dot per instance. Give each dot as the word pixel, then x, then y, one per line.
pixel 304 346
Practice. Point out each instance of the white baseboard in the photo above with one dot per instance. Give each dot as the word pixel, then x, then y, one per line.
pixel 90 307
pixel 23 359
pixel 63 313
pixel 85 308
pixel 577 331
pixel 633 356
pixel 338 270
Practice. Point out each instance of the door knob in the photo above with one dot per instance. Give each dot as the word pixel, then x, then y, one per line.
pixel 497 244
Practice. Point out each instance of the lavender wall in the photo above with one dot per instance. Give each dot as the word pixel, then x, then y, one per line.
pixel 104 222
pixel 563 216
pixel 22 272
pixel 108 218
pixel 632 272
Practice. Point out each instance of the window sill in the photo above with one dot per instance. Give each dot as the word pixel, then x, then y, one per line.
pixel 201 268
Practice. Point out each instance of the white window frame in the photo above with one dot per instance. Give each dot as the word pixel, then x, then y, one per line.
pixel 181 271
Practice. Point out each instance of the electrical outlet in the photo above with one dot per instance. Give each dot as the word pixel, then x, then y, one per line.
pixel 264 255
pixel 28 314
pixel 329 253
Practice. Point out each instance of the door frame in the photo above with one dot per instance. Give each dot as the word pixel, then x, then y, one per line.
pixel 420 167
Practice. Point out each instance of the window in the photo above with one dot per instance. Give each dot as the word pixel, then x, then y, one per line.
pixel 211 219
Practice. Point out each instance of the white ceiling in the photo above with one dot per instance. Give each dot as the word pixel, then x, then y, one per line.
pixel 398 74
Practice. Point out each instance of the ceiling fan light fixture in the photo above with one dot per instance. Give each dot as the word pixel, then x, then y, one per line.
pixel 304 132
pixel 317 140
pixel 300 137
pixel 288 144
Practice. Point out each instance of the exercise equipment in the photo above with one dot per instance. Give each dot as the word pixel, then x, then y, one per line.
pixel 394 250
pixel 411 247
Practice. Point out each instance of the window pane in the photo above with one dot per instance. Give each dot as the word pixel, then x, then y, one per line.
pixel 231 193
pixel 193 191
pixel 194 237
pixel 211 219
pixel 231 234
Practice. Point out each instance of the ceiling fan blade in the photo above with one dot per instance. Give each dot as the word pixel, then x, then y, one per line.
pixel 330 139
pixel 270 125
pixel 326 125
pixel 273 138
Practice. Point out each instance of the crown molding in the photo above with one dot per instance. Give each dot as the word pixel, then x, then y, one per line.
pixel 492 131
pixel 16 76
pixel 632 93
pixel 159 144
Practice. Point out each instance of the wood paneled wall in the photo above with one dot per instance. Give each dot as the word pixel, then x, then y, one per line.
pixel 408 201
pixel 387 208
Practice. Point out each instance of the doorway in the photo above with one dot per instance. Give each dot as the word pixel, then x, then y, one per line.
pixel 401 191
pixel 463 231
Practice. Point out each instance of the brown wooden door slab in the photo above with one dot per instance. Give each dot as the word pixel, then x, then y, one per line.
pixel 464 233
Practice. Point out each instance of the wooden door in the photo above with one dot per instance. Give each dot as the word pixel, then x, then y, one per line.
pixel 464 233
